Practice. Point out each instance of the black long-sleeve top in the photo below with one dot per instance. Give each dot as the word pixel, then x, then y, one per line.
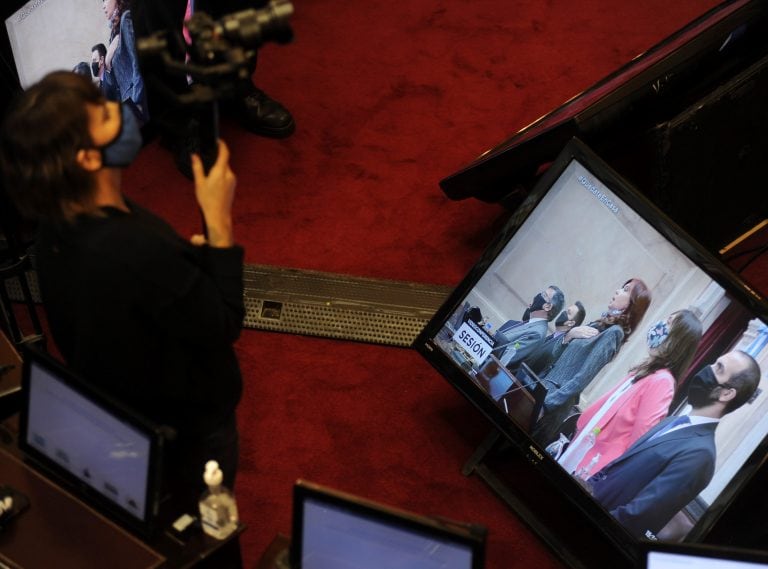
pixel 145 315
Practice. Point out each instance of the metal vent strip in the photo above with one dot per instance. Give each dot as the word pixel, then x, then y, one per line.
pixel 323 304
pixel 338 306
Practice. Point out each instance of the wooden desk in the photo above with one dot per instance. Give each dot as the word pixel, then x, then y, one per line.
pixel 10 378
pixel 518 403
pixel 59 530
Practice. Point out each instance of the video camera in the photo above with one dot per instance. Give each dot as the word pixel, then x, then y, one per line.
pixel 215 64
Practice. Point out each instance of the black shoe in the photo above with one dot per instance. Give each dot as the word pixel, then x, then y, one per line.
pixel 261 114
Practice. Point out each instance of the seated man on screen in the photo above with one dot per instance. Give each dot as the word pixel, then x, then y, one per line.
pixel 572 316
pixel 516 340
pixel 98 67
pixel 98 55
pixel 673 462
pixel 540 360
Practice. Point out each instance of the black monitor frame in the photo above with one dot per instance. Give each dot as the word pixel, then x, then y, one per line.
pixel 615 115
pixel 148 527
pixel 468 535
pixel 553 477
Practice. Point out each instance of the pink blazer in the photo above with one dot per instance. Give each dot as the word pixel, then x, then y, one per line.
pixel 638 409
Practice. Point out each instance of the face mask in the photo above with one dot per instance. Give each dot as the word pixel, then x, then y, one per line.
pixel 700 388
pixel 538 302
pixel 657 334
pixel 526 315
pixel 95 68
pixel 561 319
pixel 123 149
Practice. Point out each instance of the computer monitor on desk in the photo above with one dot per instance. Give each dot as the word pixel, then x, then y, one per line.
pixel 698 556
pixel 334 529
pixel 91 445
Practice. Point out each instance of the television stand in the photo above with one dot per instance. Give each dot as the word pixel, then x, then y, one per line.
pixel 557 522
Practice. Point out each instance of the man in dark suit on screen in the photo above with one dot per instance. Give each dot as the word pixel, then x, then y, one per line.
pixel 541 358
pixel 515 340
pixel 674 461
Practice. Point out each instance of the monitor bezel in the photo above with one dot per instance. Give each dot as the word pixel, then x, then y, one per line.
pixel 470 535
pixel 149 526
pixel 591 114
pixel 564 484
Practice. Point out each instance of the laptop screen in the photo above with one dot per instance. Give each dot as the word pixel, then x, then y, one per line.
pixel 98 449
pixel 333 530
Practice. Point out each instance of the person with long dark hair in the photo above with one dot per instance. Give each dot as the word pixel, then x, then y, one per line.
pixel 584 351
pixel 613 422
pixel 138 311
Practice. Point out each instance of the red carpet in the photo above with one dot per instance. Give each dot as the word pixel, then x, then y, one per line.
pixel 389 98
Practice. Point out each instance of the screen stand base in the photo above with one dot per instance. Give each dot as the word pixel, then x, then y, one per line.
pixel 560 525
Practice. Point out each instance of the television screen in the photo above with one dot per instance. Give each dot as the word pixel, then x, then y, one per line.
pixel 55 34
pixel 95 447
pixel 589 324
pixel 703 557
pixel 79 36
pixel 334 530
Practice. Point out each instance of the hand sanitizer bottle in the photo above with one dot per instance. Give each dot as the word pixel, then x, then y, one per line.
pixel 578 448
pixel 218 511
pixel 586 471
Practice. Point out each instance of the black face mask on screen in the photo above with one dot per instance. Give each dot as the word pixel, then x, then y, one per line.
pixel 701 386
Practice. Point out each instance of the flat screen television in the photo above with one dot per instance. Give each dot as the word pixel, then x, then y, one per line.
pixel 336 530
pixel 54 34
pixel 616 115
pixel 689 556
pixel 74 35
pixel 96 448
pixel 585 234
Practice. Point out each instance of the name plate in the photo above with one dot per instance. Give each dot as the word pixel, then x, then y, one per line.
pixel 474 340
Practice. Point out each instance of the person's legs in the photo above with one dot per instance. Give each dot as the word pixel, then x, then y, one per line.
pixel 254 109
pixel 181 126
pixel 548 428
pixel 167 118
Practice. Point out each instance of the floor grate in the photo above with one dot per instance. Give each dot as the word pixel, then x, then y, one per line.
pixel 327 305
pixel 338 306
